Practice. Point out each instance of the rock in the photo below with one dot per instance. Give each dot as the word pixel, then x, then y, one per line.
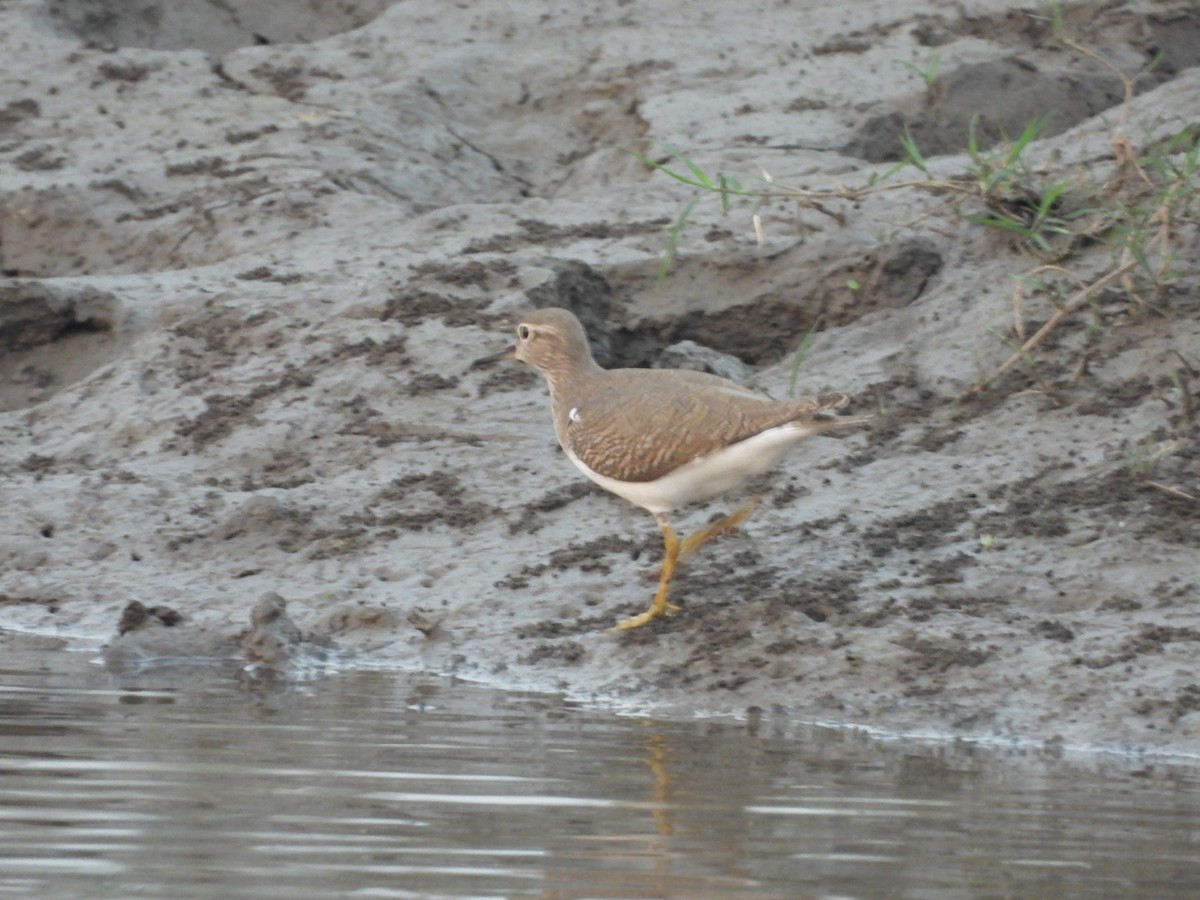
pixel 273 639
pixel 690 355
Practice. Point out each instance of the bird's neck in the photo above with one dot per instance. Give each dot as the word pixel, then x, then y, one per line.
pixel 568 370
pixel 569 383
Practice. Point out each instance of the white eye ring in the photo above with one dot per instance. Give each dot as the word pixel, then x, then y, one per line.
pixel 523 332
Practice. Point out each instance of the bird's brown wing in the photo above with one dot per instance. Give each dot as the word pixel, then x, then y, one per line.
pixel 640 424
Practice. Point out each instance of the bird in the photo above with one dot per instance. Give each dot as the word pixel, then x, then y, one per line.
pixel 661 438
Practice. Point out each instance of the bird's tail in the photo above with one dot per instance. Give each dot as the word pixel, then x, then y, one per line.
pixel 824 412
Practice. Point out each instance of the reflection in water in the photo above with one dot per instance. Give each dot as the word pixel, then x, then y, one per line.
pixel 189 783
pixel 656 758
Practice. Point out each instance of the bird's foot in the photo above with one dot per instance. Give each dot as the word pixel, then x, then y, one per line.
pixel 656 611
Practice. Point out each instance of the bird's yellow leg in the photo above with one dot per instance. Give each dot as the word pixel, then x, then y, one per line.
pixel 660 607
pixel 694 542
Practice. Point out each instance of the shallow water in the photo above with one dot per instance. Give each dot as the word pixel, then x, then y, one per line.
pixel 190 782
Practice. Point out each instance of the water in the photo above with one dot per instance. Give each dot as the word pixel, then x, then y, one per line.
pixel 192 783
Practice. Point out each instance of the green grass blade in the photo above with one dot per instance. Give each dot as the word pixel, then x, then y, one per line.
pixel 1050 197
pixel 973 137
pixel 801 352
pixel 698 173
pixel 729 187
pixel 668 255
pixel 661 167
pixel 1029 134
pixel 912 153
pixel 878 178
pixel 994 220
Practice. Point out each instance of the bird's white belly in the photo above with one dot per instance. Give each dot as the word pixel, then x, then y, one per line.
pixel 707 476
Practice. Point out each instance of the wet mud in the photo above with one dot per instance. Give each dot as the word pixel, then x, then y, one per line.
pixel 245 266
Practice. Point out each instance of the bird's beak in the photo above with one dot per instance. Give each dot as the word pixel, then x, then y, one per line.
pixel 510 353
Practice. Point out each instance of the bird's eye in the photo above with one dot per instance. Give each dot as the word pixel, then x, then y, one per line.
pixel 523 332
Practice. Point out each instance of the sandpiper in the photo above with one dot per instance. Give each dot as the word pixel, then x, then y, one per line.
pixel 661 438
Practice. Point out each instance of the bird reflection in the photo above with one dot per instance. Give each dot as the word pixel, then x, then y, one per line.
pixel 658 754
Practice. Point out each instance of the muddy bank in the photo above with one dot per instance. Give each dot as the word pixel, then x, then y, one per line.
pixel 245 268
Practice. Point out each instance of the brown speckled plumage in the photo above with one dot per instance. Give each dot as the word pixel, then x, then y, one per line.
pixel 679 415
pixel 675 420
